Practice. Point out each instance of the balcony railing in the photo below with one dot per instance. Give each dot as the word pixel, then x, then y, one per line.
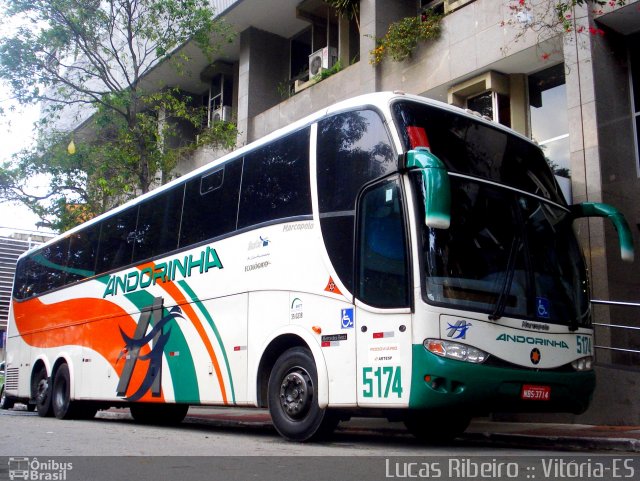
pixel 633 305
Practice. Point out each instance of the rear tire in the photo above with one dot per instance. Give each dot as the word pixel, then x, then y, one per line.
pixel 293 398
pixel 5 402
pixel 41 391
pixel 159 414
pixel 435 426
pixel 61 394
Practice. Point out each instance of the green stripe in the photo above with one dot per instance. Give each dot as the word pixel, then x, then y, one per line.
pixel 182 367
pixel 206 314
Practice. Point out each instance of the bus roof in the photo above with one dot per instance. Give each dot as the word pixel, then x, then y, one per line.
pixel 379 100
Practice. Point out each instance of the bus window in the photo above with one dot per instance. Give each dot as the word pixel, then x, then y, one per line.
pixel 82 253
pixel 353 149
pixel 211 204
pixel 158 224
pixel 275 181
pixel 116 240
pixel 382 280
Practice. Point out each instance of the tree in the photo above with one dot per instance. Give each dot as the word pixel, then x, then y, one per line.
pixel 548 18
pixel 96 56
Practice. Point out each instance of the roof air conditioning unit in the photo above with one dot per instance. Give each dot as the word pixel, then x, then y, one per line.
pixel 322 59
pixel 221 113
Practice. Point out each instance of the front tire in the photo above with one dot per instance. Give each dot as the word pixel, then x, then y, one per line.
pixel 5 402
pixel 41 390
pixel 293 398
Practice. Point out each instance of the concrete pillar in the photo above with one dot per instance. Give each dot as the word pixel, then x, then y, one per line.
pixel 375 17
pixel 519 104
pixel 264 63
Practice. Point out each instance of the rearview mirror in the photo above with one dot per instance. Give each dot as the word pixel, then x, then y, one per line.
pixel 596 209
pixel 437 190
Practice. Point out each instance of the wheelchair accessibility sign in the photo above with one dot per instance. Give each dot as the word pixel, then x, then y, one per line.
pixel 543 306
pixel 346 316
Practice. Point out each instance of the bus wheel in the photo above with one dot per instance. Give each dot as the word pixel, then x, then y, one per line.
pixel 293 400
pixel 41 391
pixel 61 394
pixel 160 414
pixel 436 426
pixel 5 402
pixel 63 406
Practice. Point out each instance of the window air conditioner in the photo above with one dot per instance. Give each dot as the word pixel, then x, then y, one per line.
pixel 322 59
pixel 221 113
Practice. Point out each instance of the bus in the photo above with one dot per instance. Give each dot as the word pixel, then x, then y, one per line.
pixel 387 256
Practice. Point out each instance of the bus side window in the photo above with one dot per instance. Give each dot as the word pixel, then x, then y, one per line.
pixel 211 204
pixel 275 181
pixel 353 148
pixel 158 224
pixel 82 253
pixel 117 235
pixel 54 260
pixel 382 267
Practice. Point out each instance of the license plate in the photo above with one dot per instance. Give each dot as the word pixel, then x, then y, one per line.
pixel 535 393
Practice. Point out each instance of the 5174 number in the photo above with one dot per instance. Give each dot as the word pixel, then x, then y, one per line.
pixel 382 382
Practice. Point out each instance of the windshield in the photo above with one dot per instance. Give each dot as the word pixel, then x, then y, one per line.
pixel 510 250
pixel 506 253
pixel 478 149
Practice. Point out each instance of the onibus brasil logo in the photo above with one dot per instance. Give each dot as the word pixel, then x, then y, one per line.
pixel 35 469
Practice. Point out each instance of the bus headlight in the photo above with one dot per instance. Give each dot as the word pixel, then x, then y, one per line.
pixel 583 364
pixel 455 350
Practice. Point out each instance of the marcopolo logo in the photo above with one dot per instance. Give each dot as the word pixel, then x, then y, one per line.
pixel 537 341
pixel 40 470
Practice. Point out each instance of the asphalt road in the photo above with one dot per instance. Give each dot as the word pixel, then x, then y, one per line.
pixel 112 446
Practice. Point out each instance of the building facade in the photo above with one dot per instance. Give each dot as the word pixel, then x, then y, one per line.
pixel 11 247
pixel 577 94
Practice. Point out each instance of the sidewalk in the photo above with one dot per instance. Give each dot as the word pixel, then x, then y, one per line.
pixel 609 438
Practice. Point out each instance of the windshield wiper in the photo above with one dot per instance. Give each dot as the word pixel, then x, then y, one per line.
pixel 501 304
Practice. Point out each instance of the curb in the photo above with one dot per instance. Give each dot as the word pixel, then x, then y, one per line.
pixel 548 441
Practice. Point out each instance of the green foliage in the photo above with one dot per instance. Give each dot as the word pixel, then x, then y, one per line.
pixel 564 9
pixel 548 18
pixel 326 73
pixel 404 35
pixel 345 7
pixel 97 55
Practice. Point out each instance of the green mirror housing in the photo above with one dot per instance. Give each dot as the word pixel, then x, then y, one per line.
pixel 437 195
pixel 596 209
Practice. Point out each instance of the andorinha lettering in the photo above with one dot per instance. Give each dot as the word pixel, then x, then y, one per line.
pixel 537 341
pixel 163 272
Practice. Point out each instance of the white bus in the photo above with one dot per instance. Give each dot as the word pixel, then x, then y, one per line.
pixel 388 256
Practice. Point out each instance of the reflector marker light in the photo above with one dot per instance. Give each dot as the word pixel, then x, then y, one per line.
pixel 380 335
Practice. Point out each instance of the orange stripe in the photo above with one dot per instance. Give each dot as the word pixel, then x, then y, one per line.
pixel 173 291
pixel 86 322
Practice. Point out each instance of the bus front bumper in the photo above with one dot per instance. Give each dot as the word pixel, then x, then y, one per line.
pixel 440 383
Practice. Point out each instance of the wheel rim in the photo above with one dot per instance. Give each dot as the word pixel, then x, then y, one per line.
pixel 296 393
pixel 41 390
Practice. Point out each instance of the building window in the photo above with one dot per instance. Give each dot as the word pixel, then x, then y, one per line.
pixel 549 121
pixel 443 6
pixel 301 48
pixel 487 94
pixel 634 72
